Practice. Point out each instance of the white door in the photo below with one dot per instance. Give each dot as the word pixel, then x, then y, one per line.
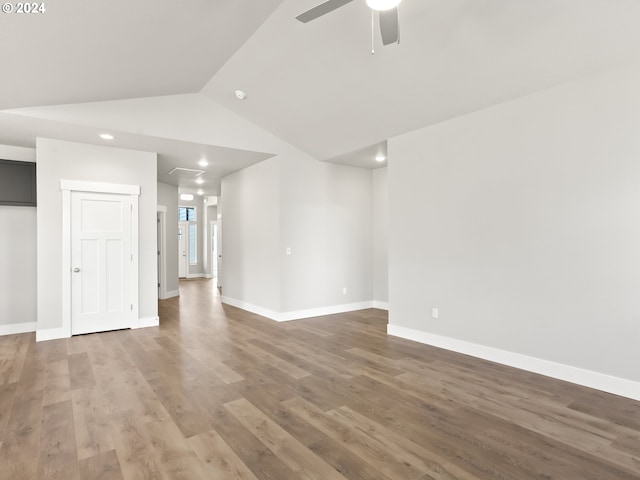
pixel 183 243
pixel 101 262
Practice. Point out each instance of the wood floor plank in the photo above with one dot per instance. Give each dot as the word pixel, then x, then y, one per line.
pixel 92 433
pixel 80 371
pixel 21 440
pixel 173 453
pixel 357 442
pixel 58 384
pixel 136 455
pixel 58 458
pixel 187 415
pixel 22 471
pixel 265 357
pixel 305 464
pixel 345 462
pixel 262 462
pixel 7 394
pixel 220 461
pixel 278 413
pixel 104 466
pixel 13 352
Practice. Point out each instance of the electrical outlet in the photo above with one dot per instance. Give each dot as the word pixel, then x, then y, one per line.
pixel 344 291
pixel 434 312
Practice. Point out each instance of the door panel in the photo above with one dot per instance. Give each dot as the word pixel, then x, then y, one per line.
pixel 101 262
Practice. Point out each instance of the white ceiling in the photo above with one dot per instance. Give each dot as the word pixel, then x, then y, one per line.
pixel 313 87
pixel 87 51
pixel 317 86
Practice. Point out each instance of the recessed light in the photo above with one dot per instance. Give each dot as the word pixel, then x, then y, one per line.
pixel 240 95
pixel 203 162
pixel 106 136
pixel 380 158
pixel 187 197
pixel 199 181
pixel 200 192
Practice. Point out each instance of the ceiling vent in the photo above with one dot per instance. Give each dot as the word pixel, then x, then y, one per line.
pixel 186 172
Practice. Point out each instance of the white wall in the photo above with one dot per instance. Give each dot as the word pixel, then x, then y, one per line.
pixel 73 161
pixel 380 222
pixel 521 223
pixel 322 212
pixel 168 197
pixel 326 221
pixel 18 298
pixel 251 237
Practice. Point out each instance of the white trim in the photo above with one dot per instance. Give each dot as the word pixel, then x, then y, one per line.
pixel 171 294
pixel 265 312
pixel 68 186
pixel 587 378
pixel 319 312
pixel 197 275
pixel 15 328
pixel 381 305
pixel 148 322
pixel 52 334
pixel 66 269
pixel 162 274
pixel 98 187
pixel 135 225
pixel 299 314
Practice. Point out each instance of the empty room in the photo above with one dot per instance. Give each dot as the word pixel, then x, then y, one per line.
pixel 320 239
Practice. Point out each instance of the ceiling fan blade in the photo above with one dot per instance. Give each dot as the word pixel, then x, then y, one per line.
pixel 321 9
pixel 389 26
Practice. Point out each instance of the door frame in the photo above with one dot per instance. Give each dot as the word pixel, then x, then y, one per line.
pixel 184 262
pixel 68 186
pixel 161 213
pixel 214 258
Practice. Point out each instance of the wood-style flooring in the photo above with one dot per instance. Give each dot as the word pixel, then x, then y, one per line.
pixel 219 393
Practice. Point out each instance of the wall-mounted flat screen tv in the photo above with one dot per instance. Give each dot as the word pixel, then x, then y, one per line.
pixel 17 183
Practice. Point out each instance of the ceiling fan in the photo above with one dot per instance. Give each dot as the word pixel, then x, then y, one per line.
pixel 387 10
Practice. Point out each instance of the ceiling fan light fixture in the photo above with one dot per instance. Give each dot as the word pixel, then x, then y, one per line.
pixel 382 5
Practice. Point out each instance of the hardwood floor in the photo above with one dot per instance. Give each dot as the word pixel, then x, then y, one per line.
pixel 219 393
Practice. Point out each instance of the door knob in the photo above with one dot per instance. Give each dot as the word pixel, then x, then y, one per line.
pixel 76 270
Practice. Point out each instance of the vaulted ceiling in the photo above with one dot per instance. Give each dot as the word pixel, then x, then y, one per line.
pixel 161 75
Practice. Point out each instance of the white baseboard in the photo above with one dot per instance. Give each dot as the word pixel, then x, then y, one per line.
pixel 249 307
pixel 319 312
pixel 148 322
pixel 170 294
pixel 15 328
pixel 586 378
pixel 51 334
pixel 381 305
pixel 299 314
